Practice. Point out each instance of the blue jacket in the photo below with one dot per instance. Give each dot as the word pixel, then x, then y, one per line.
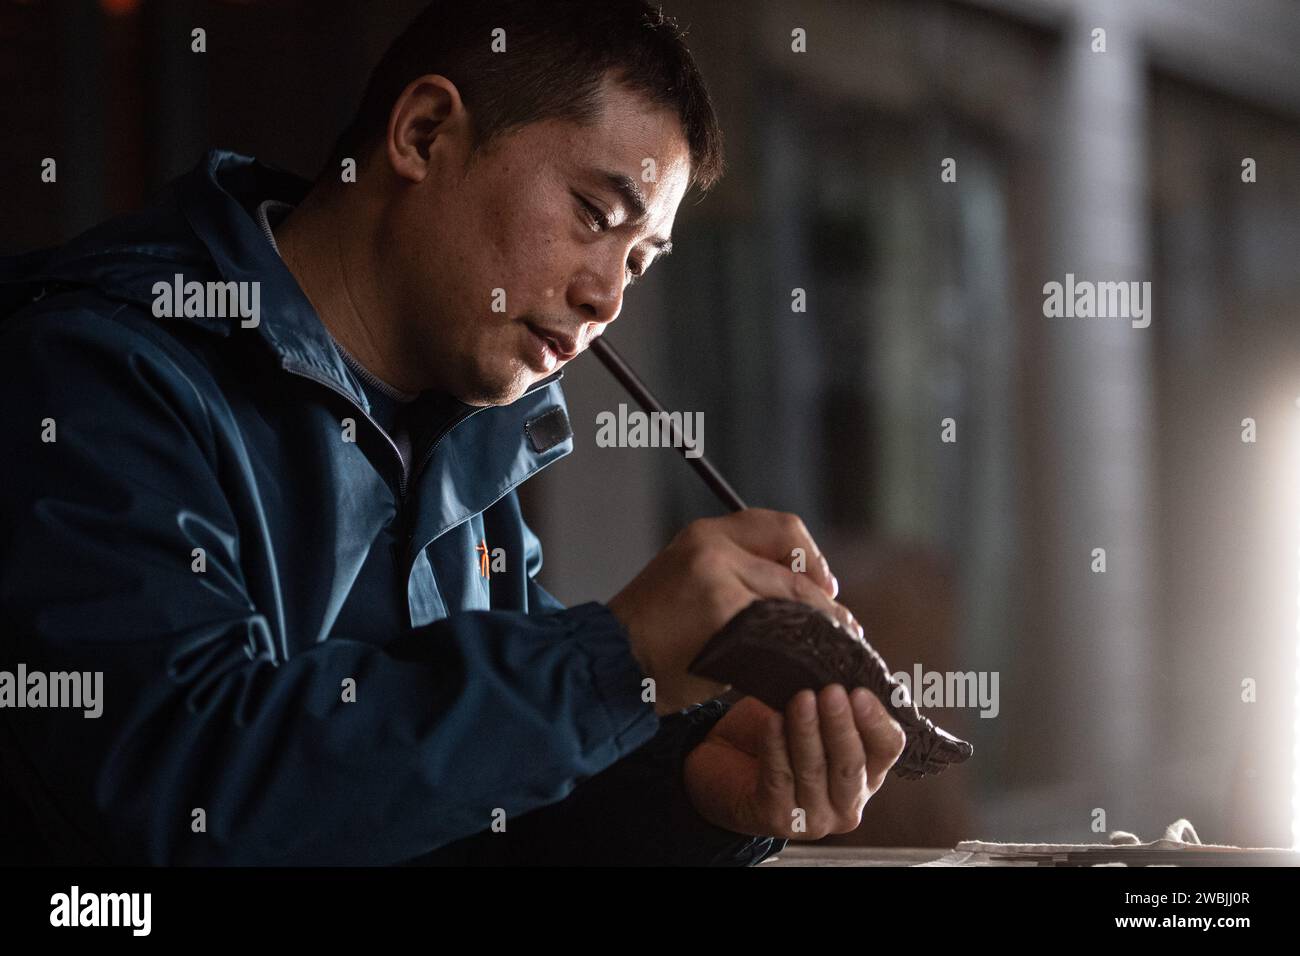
pixel 182 513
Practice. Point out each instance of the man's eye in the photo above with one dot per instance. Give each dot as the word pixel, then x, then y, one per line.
pixel 634 271
pixel 598 220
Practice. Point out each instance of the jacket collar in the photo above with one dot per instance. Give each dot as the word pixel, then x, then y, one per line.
pixel 218 199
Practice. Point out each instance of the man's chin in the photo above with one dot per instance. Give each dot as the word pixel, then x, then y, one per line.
pixel 501 391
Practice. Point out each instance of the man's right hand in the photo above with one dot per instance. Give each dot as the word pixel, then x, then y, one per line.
pixel 711 571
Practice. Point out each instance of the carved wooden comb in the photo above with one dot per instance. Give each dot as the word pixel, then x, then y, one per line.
pixel 773 649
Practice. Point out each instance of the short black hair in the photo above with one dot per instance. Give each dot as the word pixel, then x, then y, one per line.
pixel 557 53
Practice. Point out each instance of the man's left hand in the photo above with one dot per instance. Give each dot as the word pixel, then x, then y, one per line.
pixel 826 756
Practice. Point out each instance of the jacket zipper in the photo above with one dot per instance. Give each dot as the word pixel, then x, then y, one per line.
pixel 319 380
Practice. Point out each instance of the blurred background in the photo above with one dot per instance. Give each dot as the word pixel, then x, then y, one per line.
pixel 1120 691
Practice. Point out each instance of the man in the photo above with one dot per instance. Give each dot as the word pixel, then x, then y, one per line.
pixel 263 434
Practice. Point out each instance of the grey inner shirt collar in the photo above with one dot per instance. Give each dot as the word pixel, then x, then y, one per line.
pixel 275 209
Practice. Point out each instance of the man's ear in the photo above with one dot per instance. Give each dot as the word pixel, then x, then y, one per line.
pixel 428 124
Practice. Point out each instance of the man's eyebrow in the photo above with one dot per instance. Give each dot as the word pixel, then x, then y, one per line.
pixel 634 199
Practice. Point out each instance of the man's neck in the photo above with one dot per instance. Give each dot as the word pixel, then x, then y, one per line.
pixel 331 266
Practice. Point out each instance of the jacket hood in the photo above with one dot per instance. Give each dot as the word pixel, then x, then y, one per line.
pixel 184 229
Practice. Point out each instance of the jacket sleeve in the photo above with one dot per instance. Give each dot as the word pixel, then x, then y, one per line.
pixel 213 745
pixel 636 812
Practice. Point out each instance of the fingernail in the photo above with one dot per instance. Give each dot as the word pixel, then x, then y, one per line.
pixel 827 576
pixel 835 702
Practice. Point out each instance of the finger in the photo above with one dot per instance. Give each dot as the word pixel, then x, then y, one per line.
pixel 775 535
pixel 882 736
pixel 845 757
pixel 776 793
pixel 771 580
pixel 807 757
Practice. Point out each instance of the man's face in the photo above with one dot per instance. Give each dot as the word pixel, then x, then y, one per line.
pixel 521 259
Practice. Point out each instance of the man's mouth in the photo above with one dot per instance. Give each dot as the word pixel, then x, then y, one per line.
pixel 552 347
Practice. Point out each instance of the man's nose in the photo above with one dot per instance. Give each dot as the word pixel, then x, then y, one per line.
pixel 597 296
